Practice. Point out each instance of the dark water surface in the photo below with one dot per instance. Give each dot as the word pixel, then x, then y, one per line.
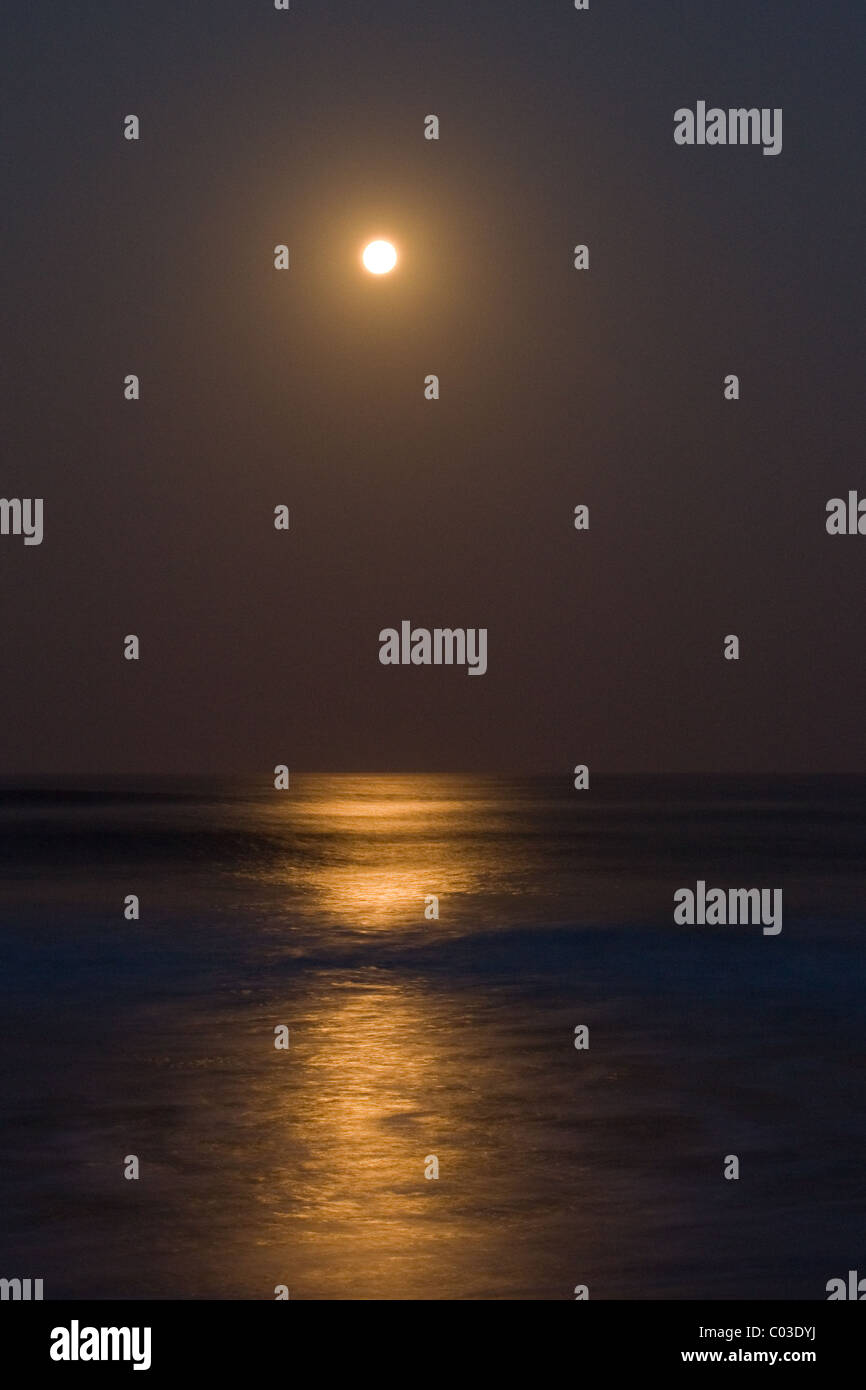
pixel 412 1037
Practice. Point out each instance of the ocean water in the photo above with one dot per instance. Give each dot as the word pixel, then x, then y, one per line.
pixel 412 1037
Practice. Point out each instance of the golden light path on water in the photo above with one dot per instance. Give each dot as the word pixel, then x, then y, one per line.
pixel 390 1062
pixel 377 1090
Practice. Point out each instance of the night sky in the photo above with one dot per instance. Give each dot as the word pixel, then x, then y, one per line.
pixel 305 387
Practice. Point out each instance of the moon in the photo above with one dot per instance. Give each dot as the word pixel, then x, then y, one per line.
pixel 379 257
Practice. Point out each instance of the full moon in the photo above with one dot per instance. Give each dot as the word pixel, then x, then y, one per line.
pixel 379 257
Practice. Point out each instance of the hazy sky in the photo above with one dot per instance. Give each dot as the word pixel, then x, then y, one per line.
pixel 558 387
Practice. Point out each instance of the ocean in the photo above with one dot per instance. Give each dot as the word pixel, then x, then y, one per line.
pixel 413 1038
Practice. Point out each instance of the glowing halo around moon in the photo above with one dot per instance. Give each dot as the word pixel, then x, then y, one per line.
pixel 379 257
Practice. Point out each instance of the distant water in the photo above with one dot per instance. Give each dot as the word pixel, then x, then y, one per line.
pixel 412 1037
